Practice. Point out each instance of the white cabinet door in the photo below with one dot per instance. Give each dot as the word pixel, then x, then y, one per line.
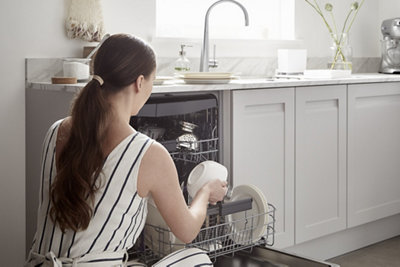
pixel 320 173
pixel 373 152
pixel 263 151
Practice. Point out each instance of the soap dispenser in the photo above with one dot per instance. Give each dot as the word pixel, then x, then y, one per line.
pixel 182 64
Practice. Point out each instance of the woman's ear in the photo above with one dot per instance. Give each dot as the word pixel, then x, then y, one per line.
pixel 139 82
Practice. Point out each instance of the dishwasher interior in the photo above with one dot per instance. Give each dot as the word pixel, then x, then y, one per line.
pixel 188 126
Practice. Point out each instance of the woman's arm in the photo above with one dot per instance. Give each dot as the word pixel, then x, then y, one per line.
pixel 158 176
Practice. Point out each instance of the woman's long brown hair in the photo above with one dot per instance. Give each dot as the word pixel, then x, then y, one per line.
pixel 119 62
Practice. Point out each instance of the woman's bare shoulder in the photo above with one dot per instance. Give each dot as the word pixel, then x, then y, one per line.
pixel 156 149
pixel 157 156
pixel 157 170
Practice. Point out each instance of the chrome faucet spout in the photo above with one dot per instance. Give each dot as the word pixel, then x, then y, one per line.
pixel 204 57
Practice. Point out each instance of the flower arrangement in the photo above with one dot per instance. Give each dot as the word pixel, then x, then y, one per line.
pixel 339 38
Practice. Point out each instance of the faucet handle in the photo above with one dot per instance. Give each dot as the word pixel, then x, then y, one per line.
pixel 213 63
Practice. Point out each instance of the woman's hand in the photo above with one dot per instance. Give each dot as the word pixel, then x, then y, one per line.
pixel 217 190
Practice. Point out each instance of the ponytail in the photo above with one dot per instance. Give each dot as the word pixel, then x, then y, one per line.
pixel 120 60
pixel 81 160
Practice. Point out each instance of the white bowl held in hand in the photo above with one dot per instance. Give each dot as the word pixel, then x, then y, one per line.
pixel 204 172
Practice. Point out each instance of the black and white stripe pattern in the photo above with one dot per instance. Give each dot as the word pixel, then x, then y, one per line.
pixel 119 212
pixel 187 257
pixel 116 202
pixel 48 140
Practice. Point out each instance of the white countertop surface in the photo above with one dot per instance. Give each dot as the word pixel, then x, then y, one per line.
pixel 173 86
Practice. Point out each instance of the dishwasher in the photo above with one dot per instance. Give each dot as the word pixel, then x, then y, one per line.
pixel 189 126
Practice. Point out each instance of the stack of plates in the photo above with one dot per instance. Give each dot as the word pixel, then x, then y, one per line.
pixel 161 79
pixel 206 77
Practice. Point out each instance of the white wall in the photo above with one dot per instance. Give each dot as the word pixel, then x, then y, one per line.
pixel 35 29
pixel 130 16
pixel 389 9
pixel 364 34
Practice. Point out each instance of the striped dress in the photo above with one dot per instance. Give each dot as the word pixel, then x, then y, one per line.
pixel 119 212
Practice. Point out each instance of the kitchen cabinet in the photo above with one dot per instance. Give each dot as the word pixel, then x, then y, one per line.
pixel 373 152
pixel 320 156
pixel 43 108
pixel 326 156
pixel 263 151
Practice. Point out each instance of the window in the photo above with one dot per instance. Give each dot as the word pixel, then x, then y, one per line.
pixel 268 19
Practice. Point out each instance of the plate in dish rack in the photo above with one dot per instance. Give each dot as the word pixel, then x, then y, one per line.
pixel 249 226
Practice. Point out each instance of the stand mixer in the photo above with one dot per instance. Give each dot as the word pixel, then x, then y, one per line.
pixel 390 62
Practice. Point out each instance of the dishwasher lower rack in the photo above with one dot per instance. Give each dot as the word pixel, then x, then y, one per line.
pixel 220 235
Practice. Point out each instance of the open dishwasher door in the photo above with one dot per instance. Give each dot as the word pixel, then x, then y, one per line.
pixel 260 256
pixel 227 243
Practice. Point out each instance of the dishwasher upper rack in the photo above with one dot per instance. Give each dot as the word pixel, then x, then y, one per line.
pixel 218 236
pixel 193 151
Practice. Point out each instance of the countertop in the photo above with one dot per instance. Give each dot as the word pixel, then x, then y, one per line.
pixel 173 86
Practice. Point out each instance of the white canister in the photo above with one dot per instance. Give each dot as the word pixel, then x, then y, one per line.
pixel 77 67
pixel 292 60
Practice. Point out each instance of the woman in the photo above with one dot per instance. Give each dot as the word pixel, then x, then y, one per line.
pixel 98 172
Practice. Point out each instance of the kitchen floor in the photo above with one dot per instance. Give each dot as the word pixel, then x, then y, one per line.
pixel 382 254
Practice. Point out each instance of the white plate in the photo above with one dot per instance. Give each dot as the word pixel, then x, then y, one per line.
pixel 161 79
pixel 206 75
pixel 206 81
pixel 258 213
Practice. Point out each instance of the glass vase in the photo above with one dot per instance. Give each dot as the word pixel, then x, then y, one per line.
pixel 341 53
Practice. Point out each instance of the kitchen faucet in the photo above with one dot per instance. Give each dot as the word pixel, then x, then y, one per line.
pixel 204 58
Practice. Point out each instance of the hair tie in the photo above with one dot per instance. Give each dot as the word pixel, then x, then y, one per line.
pixel 99 79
